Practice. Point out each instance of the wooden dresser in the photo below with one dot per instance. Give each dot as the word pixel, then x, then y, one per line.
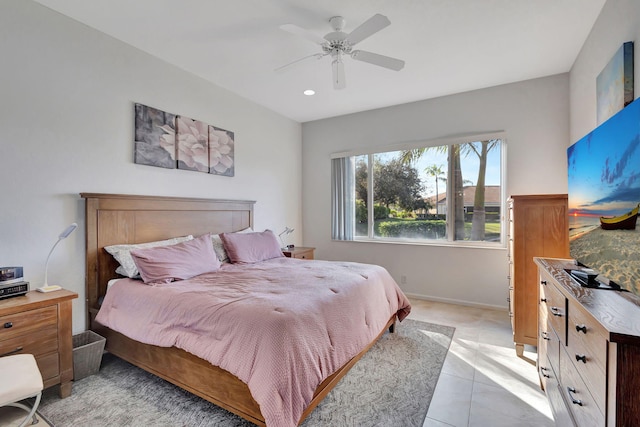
pixel 299 252
pixel 40 324
pixel 588 350
pixel 538 226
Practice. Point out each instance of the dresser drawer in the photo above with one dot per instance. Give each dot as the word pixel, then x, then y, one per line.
pixel 543 306
pixel 543 334
pixel 26 322
pixel 49 366
pixel 36 343
pixel 553 351
pixel 553 388
pixel 576 393
pixel 556 304
pixel 587 349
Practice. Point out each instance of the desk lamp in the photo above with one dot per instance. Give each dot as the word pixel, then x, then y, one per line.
pixel 46 287
pixel 286 231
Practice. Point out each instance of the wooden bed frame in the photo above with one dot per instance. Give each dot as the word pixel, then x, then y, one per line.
pixel 125 219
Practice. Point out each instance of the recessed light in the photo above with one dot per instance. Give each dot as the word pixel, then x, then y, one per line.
pixel 309 92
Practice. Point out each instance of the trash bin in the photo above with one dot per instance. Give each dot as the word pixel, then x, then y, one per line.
pixel 87 354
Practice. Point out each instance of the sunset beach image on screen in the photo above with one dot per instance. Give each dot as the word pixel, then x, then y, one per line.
pixel 604 181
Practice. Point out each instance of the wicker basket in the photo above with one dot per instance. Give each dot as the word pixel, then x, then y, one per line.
pixel 87 354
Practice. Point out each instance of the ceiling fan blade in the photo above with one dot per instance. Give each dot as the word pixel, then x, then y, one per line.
pixel 337 67
pixel 368 28
pixel 294 29
pixel 286 66
pixel 380 60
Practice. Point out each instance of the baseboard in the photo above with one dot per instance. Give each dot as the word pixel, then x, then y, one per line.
pixel 458 302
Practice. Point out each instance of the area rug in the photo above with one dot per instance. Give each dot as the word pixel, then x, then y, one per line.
pixel 391 385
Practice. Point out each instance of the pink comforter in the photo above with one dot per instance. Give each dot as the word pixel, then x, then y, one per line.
pixel 281 326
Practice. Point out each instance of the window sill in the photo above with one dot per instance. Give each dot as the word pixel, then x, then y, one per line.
pixel 435 243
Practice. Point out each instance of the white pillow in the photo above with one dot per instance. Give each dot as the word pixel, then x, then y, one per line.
pixel 122 254
pixel 218 247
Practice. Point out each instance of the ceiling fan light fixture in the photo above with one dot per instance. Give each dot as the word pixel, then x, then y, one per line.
pixel 338 43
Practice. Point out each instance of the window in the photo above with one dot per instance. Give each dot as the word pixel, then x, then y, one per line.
pixel 421 193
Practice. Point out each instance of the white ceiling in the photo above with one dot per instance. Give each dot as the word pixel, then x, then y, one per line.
pixel 449 46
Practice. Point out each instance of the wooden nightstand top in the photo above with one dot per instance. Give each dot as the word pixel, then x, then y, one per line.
pixel 34 299
pixel 300 252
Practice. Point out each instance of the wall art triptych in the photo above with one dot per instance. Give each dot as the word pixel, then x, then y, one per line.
pixel 176 142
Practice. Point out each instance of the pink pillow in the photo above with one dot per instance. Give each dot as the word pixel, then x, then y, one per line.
pixel 247 248
pixel 176 262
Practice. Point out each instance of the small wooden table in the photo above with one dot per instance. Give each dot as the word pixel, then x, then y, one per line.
pixel 299 252
pixel 40 324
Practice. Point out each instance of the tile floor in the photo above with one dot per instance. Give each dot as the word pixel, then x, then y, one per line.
pixel 483 382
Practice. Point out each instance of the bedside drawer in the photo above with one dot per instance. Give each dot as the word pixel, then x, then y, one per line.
pixel 27 322
pixel 36 343
pixel 299 252
pixel 40 324
pixel 304 255
pixel 49 366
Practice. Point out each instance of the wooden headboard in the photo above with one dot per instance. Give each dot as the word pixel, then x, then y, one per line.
pixel 113 219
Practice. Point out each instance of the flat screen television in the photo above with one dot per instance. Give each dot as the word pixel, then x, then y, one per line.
pixel 604 193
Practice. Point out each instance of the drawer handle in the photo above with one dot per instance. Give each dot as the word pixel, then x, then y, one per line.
pixel 575 401
pixel 11 352
pixel 543 282
pixel 545 336
pixel 556 311
pixel 581 358
pixel 581 328
pixel 543 300
pixel 8 325
pixel 543 370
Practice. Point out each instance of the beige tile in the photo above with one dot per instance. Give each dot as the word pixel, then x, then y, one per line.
pixel 499 366
pixel 451 400
pixel 430 422
pixel 496 407
pixel 483 382
pixel 461 358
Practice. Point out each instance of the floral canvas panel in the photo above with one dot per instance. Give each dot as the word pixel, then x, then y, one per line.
pixel 155 138
pixel 221 151
pixel 193 144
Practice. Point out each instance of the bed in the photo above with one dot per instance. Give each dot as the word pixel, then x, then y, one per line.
pixel 116 219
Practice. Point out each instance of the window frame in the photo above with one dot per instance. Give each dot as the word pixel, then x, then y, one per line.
pixel 445 141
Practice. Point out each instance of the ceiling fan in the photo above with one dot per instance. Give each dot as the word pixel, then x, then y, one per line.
pixel 337 44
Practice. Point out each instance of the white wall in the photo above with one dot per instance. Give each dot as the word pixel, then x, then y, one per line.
pixel 535 116
pixel 618 22
pixel 66 126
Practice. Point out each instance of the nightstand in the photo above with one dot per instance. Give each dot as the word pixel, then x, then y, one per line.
pixel 299 252
pixel 40 324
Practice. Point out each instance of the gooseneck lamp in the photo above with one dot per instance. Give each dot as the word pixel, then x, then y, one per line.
pixel 286 232
pixel 62 236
